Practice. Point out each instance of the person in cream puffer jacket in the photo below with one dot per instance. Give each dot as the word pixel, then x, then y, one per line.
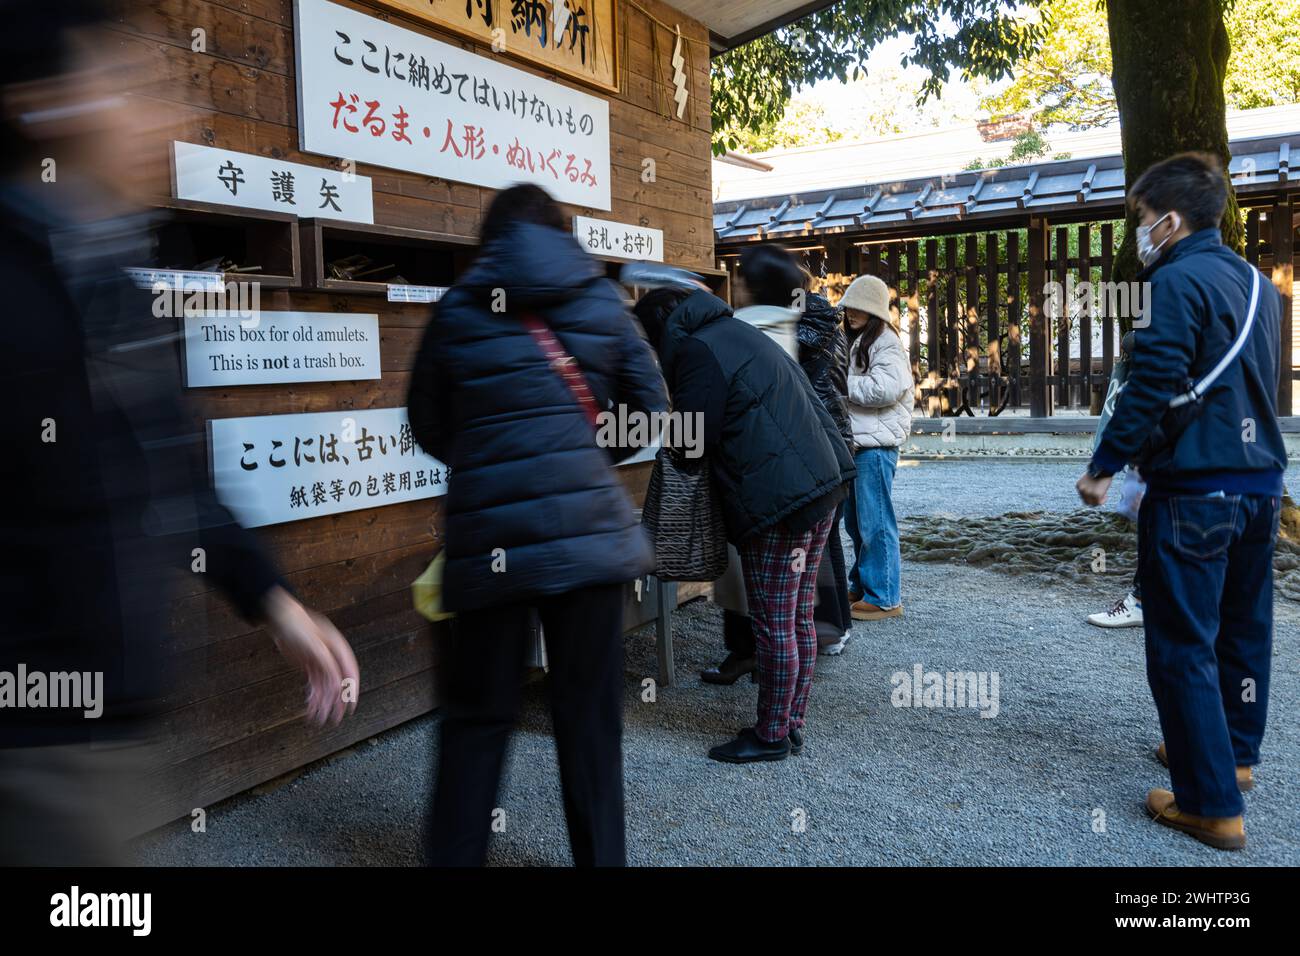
pixel 881 398
pixel 881 395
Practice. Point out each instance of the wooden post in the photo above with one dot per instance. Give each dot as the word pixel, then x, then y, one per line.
pixel 972 322
pixel 1283 278
pixel 934 329
pixel 1040 350
pixel 1252 237
pixel 914 307
pixel 1108 320
pixel 895 285
pixel 1015 310
pixel 991 306
pixel 951 352
pixel 1085 316
pixel 1062 320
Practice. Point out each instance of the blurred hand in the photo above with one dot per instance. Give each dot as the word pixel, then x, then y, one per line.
pixel 312 644
pixel 1092 490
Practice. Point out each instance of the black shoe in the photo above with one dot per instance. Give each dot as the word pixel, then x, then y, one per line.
pixel 748 748
pixel 795 738
pixel 729 671
pixel 796 742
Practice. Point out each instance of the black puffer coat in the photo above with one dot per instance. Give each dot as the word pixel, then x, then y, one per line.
pixel 526 474
pixel 773 449
pixel 824 355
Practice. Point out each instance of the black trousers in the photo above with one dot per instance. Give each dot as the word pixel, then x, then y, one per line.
pixel 483 686
pixel 832 613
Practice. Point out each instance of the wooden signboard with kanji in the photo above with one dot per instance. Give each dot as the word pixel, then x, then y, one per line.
pixel 576 38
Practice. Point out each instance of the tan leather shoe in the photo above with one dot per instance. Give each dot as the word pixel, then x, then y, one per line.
pixel 1245 775
pixel 1222 833
pixel 854 596
pixel 866 611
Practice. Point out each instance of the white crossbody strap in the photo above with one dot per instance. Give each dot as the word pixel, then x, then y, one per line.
pixel 1201 387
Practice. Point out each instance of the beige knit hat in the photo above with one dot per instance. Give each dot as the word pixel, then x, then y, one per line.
pixel 868 294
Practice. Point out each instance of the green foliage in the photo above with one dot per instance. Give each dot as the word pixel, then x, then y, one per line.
pixel 1028 146
pixel 1264 69
pixel 1067 79
pixel 752 84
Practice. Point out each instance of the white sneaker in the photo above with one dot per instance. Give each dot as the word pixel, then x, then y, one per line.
pixel 1125 613
pixel 834 649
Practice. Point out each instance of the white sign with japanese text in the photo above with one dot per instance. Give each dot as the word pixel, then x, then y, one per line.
pixel 269 469
pixel 375 92
pixel 415 293
pixel 226 348
pixel 601 237
pixel 228 178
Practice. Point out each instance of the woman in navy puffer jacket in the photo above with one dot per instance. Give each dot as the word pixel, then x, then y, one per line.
pixel 536 518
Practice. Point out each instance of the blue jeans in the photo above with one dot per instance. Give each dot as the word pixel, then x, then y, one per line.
pixel 877 566
pixel 1207 585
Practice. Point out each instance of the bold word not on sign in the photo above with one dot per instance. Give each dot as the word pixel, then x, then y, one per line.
pixel 375 92
pixel 224 348
pixel 269 469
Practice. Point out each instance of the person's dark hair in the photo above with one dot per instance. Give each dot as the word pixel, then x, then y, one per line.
pixel 652 311
pixel 1190 184
pixel 771 275
pixel 522 203
pixel 868 333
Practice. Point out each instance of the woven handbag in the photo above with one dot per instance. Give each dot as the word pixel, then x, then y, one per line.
pixel 683 516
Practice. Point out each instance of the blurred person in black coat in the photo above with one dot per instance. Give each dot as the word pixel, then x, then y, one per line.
pixel 537 520
pixel 104 481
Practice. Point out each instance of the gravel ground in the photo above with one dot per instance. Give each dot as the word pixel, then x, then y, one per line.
pixel 1067 755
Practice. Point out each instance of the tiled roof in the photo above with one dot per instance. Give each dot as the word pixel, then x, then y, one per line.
pixel 1258 165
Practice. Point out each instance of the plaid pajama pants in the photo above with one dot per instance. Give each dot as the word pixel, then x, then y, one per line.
pixel 780 581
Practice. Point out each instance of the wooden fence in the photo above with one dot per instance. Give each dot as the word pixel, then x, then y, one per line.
pixel 988 316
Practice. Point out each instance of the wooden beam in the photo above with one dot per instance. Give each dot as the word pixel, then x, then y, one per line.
pixel 1040 354
pixel 1283 281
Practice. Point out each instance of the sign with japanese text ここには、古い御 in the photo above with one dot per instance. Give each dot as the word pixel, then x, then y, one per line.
pixel 374 92
pixel 229 178
pixel 578 38
pixel 269 469
pixel 224 348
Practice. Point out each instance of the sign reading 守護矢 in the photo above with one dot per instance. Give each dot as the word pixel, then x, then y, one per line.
pixel 225 348
pixel 228 178
pixel 269 469
pixel 378 93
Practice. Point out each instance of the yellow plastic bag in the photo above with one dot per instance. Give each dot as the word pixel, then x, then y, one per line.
pixel 426 590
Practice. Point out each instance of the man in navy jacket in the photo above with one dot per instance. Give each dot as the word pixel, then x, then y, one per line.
pixel 1209 520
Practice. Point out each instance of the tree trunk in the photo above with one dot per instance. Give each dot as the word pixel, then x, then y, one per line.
pixel 1169 62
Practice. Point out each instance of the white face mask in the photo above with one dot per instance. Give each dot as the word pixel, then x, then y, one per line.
pixel 1148 253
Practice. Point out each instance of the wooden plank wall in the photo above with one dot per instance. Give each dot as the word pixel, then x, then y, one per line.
pixel 235 718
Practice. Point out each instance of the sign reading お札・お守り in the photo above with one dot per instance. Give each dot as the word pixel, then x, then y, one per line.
pixel 374 92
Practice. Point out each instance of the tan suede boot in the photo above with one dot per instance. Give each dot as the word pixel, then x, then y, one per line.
pixel 866 611
pixel 1222 833
pixel 1245 775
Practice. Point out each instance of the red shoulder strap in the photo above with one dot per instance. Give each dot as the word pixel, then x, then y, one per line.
pixel 564 364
